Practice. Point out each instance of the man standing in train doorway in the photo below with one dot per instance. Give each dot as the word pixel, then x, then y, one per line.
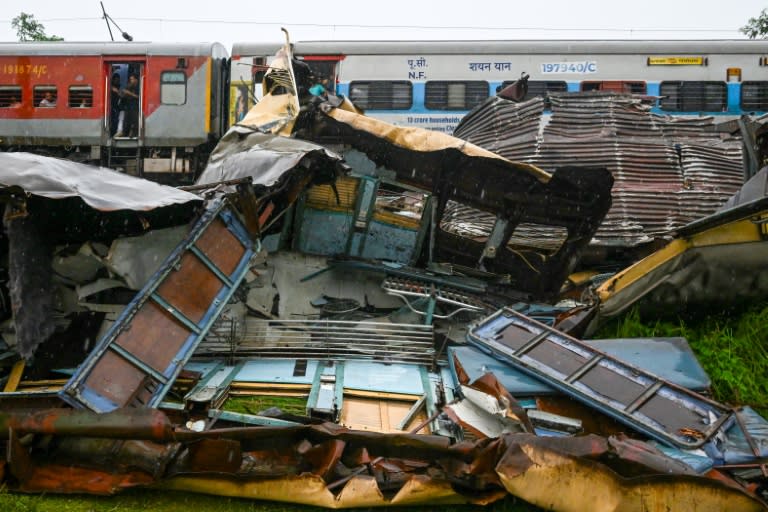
pixel 131 106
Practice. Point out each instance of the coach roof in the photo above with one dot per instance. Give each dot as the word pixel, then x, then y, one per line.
pixel 66 48
pixel 533 46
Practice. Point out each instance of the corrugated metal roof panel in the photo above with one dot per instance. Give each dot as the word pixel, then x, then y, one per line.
pixel 668 171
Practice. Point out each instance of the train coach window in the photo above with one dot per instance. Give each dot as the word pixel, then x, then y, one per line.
pixel 465 95
pixel 10 96
pixel 173 88
pixel 80 96
pixel 44 96
pixel 538 88
pixel 382 94
pixel 754 96
pixel 693 96
pixel 619 86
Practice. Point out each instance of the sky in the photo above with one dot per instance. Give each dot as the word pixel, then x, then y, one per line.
pixel 228 22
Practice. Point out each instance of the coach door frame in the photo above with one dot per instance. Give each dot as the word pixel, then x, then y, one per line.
pixel 132 65
pixel 330 63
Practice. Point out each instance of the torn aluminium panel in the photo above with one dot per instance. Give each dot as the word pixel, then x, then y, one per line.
pixel 635 397
pixel 136 362
pixel 717 261
pixel 265 158
pixel 100 188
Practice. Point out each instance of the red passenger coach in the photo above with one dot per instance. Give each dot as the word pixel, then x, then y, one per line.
pixel 78 101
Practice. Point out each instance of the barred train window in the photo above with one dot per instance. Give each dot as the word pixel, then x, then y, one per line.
pixel 10 96
pixel 754 96
pixel 382 94
pixel 465 95
pixel 173 88
pixel 693 96
pixel 80 96
pixel 40 91
pixel 620 86
pixel 538 88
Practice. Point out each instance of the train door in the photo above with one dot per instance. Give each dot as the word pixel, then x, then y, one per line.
pixel 123 116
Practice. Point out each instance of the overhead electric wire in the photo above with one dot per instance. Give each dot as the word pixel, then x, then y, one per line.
pixel 367 26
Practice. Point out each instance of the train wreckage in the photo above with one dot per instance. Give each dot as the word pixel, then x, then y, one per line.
pixel 392 296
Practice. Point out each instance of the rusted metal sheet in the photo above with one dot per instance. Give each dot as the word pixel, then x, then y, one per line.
pixel 330 466
pixel 136 362
pixel 146 424
pixel 637 398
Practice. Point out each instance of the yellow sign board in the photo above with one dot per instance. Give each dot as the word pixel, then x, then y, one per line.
pixel 677 61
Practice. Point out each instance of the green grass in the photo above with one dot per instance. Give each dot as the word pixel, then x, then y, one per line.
pixel 170 501
pixel 256 404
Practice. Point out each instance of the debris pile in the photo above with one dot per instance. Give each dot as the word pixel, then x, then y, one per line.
pixel 345 313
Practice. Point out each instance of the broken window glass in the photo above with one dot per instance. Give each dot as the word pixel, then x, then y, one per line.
pixel 467 222
pixel 545 238
pixel 399 207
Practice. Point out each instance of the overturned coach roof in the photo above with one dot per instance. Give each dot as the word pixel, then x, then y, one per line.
pixel 100 188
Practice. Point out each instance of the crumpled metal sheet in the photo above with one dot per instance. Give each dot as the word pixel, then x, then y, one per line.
pixel 100 188
pixel 263 157
pixel 754 189
pixel 668 171
pixel 272 114
pixel 136 259
pixel 30 285
pixel 422 141
pixel 331 466
pixel 715 262
pixel 568 475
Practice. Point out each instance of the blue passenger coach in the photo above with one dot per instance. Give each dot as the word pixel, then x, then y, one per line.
pixel 432 84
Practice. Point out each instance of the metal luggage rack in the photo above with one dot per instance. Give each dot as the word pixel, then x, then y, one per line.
pixel 330 339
